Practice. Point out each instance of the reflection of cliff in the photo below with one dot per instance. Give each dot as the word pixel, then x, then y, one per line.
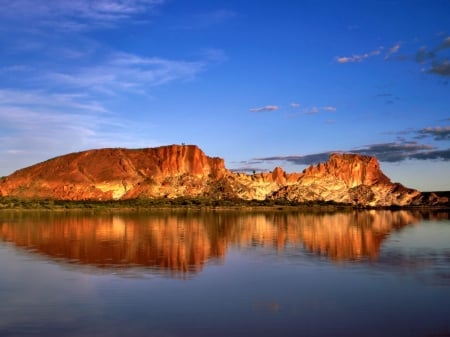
pixel 163 242
pixel 352 236
pixel 184 243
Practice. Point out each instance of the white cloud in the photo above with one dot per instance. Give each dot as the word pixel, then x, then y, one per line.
pixel 36 98
pixel 358 57
pixel 265 108
pixel 295 105
pixel 329 108
pixel 393 50
pixel 126 72
pixel 311 111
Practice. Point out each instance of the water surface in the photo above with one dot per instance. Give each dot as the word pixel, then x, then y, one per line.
pixel 358 273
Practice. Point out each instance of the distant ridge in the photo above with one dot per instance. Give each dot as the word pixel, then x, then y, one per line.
pixel 185 171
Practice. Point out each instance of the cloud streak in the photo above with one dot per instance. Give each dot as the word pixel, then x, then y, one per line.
pixel 355 58
pixel 265 108
pixel 437 133
pixel 75 15
pixel 391 152
pixel 393 50
pixel 358 57
pixel 315 110
pixel 299 160
pixel 394 151
pixel 128 72
pixel 439 65
pixel 329 108
pixel 440 68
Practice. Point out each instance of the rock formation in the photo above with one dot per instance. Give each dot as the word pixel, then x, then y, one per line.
pixel 105 174
pixel 185 171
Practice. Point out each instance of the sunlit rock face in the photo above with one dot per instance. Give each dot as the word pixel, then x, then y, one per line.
pixel 351 179
pixel 107 174
pixel 185 171
pixel 351 169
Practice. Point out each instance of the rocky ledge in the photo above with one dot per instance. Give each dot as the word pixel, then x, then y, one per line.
pixel 185 171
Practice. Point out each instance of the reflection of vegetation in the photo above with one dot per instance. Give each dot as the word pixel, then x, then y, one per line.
pixel 182 202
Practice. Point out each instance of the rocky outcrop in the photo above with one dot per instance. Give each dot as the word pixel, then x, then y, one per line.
pixel 351 169
pixel 351 179
pixel 185 171
pixel 105 174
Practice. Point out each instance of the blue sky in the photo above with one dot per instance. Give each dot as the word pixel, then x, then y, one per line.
pixel 258 83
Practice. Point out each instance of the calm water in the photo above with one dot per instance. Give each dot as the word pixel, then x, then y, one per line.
pixel 366 273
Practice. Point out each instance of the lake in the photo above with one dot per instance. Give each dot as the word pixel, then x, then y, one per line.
pixel 187 273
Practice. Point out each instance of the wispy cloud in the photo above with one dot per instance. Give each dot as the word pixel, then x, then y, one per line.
pixel 311 111
pixel 440 133
pixel 308 159
pixel 358 57
pixel 437 133
pixel 315 110
pixel 75 15
pixel 329 108
pixel 436 155
pixel 393 50
pixel 391 152
pixel 440 68
pixel 40 99
pixel 126 72
pixel 445 44
pixel 423 54
pixel 63 90
pixel 265 108
pixel 404 149
pixel 394 151
pixel 439 65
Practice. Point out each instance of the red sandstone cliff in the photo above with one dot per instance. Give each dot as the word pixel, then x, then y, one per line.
pixel 117 174
pixel 185 171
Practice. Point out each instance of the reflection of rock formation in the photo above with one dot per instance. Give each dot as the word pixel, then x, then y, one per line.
pixel 352 236
pixel 163 242
pixel 181 242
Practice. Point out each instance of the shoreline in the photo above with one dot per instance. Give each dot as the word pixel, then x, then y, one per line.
pixel 193 205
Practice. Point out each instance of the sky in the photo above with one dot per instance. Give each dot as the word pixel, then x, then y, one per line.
pixel 258 83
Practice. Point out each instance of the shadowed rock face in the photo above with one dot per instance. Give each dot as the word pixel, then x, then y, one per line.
pixel 185 171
